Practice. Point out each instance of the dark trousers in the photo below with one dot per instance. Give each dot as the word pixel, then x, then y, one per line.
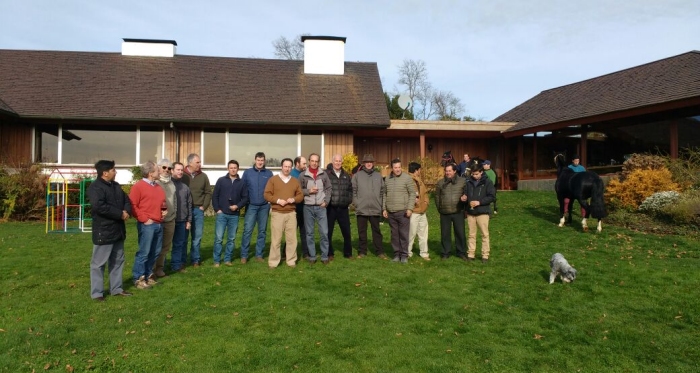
pixel 376 234
pixel 302 230
pixel 342 215
pixel 399 224
pixel 455 221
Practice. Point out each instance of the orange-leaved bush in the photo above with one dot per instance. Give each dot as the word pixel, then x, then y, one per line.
pixel 637 186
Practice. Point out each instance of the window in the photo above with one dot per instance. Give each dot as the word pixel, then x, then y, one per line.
pixel 214 149
pixel 243 146
pixel 87 146
pixel 150 144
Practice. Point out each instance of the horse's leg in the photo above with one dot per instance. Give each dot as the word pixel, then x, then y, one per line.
pixel 561 211
pixel 585 211
pixel 600 226
pixel 569 208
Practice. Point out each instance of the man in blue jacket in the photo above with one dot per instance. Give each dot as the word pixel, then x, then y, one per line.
pixel 258 209
pixel 230 195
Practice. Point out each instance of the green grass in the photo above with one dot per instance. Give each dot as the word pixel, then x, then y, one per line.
pixel 633 308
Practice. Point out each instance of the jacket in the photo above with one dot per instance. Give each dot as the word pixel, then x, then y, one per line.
pixel 256 180
pixel 108 202
pixel 199 187
pixel 229 192
pixel 184 202
pixel 400 193
pixel 448 193
pixel 170 199
pixel 322 182
pixel 368 193
pixel 481 190
pixel 341 191
pixel 422 199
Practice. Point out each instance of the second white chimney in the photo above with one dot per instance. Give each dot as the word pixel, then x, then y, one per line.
pixel 324 55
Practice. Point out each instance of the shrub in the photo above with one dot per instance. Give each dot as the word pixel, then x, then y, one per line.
pixel 658 202
pixel 22 192
pixel 349 162
pixel 686 169
pixel 642 162
pixel 685 211
pixel 639 184
pixel 430 172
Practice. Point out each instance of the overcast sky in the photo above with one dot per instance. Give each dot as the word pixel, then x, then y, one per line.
pixel 492 54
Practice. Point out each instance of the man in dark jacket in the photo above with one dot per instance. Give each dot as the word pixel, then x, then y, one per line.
pixel 480 194
pixel 230 195
pixel 448 197
pixel 341 197
pixel 110 209
pixel 258 210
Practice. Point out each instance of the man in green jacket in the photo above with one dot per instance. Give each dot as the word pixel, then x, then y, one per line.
pixel 448 197
pixel 399 199
pixel 491 174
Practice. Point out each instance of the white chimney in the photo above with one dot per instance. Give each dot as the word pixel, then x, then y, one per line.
pixel 324 55
pixel 149 47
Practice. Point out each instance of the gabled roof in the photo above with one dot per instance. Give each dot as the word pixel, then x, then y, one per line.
pixel 6 108
pixel 109 86
pixel 671 79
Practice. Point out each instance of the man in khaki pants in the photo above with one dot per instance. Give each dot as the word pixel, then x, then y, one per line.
pixel 419 219
pixel 480 193
pixel 283 192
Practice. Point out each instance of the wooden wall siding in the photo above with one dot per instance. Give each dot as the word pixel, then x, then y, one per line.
pixel 190 140
pixel 15 143
pixel 170 148
pixel 336 143
pixel 408 149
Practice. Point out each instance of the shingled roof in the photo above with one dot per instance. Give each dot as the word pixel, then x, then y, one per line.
pixel 110 86
pixel 667 80
pixel 4 107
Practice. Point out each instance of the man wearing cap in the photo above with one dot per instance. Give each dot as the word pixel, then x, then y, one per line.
pixel 491 175
pixel 576 167
pixel 367 196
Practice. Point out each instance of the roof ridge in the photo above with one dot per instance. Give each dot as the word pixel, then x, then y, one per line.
pixel 623 70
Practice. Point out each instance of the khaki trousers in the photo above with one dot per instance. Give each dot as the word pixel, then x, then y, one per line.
pixel 283 223
pixel 418 227
pixel 481 221
pixel 168 232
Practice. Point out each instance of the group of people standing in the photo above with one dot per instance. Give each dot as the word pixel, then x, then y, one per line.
pixel 168 204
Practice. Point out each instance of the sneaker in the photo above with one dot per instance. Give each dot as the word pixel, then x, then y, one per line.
pixel 426 258
pixel 152 280
pixel 217 265
pixel 160 274
pixel 484 260
pixel 228 264
pixel 259 259
pixel 404 260
pixel 141 283
pixel 383 256
pixel 244 260
pixel 396 259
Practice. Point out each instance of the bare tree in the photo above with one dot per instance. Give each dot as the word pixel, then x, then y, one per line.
pixel 447 105
pixel 414 75
pixel 289 49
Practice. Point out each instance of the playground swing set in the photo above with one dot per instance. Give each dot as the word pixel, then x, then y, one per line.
pixel 67 206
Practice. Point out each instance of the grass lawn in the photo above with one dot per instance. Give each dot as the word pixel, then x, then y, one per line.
pixel 633 307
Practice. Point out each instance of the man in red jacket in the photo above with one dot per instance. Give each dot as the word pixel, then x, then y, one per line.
pixel 149 207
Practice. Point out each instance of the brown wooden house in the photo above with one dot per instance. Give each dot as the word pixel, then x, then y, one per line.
pixel 654 107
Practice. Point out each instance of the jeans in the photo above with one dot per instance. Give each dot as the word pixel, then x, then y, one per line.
pixel 150 241
pixel 178 257
pixel 255 214
pixel 197 230
pixel 342 216
pixel 302 229
pixel 228 223
pixel 313 214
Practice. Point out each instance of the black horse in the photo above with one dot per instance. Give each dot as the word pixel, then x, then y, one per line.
pixel 579 186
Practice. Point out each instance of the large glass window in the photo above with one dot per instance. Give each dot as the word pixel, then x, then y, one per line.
pixel 311 143
pixel 46 145
pixel 243 146
pixel 214 153
pixel 89 146
pixel 151 144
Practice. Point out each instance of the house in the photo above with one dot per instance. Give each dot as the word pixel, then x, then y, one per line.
pixel 653 107
pixel 69 109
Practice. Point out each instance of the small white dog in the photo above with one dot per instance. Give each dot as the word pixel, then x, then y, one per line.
pixel 561 268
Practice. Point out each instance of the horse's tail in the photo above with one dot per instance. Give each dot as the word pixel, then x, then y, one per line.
pixel 597 199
